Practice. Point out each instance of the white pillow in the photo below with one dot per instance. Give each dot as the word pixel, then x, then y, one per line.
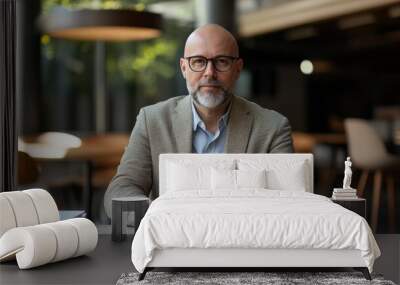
pixel 183 178
pixel 251 178
pixel 225 179
pixel 188 174
pixel 281 174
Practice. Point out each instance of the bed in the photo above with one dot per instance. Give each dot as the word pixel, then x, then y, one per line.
pixel 246 211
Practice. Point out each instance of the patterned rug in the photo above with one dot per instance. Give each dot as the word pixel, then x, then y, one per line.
pixel 243 278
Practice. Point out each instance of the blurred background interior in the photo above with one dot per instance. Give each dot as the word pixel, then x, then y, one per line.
pixel 319 62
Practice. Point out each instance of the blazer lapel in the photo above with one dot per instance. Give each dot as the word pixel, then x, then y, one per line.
pixel 239 127
pixel 182 125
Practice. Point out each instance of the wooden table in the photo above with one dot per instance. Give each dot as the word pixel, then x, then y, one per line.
pixel 305 142
pixel 95 151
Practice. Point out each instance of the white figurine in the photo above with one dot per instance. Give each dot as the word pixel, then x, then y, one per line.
pixel 347 174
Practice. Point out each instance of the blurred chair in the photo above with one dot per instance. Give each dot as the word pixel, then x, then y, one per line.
pixel 383 129
pixel 58 139
pixel 390 114
pixel 105 167
pixel 28 170
pixel 387 113
pixel 368 153
pixel 62 156
pixel 396 132
pixel 303 142
pixel 47 150
pixel 49 145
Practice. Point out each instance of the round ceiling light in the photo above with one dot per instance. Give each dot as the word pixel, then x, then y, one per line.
pixel 101 25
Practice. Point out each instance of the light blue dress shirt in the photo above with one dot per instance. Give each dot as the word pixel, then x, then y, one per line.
pixel 205 141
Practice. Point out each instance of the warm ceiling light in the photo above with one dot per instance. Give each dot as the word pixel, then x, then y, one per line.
pixel 101 25
pixel 394 12
pixel 356 21
pixel 306 67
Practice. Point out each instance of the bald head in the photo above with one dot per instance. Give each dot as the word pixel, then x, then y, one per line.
pixel 212 39
pixel 211 85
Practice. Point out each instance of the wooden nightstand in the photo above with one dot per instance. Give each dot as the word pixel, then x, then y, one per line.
pixel 358 205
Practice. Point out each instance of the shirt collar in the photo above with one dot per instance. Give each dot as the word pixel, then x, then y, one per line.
pixel 222 122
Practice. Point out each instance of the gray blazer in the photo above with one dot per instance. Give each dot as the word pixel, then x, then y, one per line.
pixel 166 127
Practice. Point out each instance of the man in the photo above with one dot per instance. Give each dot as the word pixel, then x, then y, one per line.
pixel 210 120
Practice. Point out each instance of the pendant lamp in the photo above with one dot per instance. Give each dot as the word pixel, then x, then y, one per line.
pixel 101 24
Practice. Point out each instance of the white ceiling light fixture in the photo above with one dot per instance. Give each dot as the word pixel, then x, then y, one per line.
pixel 306 67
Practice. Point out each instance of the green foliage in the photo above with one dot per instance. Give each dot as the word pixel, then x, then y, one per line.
pixel 152 62
pixel 138 65
pixel 96 4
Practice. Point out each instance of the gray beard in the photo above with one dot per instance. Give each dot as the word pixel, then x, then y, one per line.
pixel 209 100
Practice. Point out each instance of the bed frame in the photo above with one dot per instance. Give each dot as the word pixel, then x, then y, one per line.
pixel 242 259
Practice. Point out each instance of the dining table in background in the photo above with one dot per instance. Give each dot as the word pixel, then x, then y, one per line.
pixel 100 154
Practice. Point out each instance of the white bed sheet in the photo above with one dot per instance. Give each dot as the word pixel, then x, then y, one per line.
pixel 252 218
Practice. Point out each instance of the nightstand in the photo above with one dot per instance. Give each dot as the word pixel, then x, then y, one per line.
pixel 138 205
pixel 358 205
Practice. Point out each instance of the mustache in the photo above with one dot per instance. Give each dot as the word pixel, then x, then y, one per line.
pixel 214 83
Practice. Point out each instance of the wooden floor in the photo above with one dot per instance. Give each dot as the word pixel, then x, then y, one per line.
pixel 389 262
pixel 110 260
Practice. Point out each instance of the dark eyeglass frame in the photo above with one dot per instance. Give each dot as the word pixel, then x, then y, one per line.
pixel 213 59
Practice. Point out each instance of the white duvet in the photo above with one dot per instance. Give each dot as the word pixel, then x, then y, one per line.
pixel 253 218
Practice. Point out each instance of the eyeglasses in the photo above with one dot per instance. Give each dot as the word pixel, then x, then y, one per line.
pixel 221 63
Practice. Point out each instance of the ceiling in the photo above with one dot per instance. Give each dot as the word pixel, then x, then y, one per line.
pixel 325 31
